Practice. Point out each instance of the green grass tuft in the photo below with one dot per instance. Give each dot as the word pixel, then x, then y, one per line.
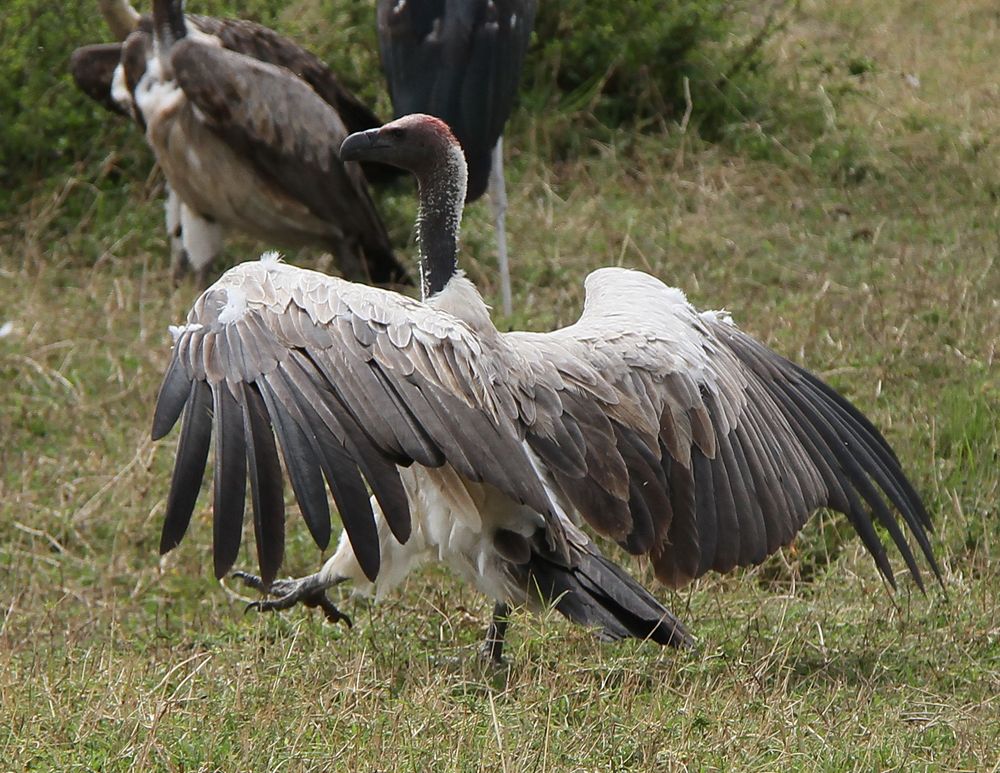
pixel 859 238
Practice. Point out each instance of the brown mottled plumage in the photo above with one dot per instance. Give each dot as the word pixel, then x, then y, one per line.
pixel 281 184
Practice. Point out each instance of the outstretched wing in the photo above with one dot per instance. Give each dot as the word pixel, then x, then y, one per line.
pixel 353 381
pixel 685 439
pixel 285 130
pixel 459 61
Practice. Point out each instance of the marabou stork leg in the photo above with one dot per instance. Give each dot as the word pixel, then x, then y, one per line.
pixel 493 646
pixel 309 591
pixel 498 197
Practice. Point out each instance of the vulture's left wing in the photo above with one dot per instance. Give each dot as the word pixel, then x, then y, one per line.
pixel 93 70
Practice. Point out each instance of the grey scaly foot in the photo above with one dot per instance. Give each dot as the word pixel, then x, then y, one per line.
pixel 309 591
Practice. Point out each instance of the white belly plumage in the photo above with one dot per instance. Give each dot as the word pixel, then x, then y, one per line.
pixel 454 521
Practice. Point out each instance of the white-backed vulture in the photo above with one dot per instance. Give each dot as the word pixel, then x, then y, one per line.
pixel 662 428
pixel 215 98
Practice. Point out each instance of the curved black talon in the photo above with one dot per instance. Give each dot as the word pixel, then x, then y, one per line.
pixel 250 580
pixel 289 593
pixel 333 614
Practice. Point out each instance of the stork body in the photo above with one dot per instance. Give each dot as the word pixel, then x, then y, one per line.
pixel 215 97
pixel 664 429
pixel 461 61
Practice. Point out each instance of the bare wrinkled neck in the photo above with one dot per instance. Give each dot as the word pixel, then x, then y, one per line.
pixel 442 197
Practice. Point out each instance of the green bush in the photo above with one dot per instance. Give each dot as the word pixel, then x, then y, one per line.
pixel 45 123
pixel 636 64
pixel 646 62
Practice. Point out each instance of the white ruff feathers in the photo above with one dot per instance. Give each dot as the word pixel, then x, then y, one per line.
pixel 235 307
pixel 176 331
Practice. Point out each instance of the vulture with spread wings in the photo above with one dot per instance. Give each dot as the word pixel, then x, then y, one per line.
pixel 664 429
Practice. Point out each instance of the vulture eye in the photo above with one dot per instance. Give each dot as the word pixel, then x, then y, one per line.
pixel 397 133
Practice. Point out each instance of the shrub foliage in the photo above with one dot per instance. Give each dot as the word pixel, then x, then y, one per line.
pixel 640 63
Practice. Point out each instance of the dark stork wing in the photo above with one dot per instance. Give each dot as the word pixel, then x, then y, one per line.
pixel 353 381
pixel 93 70
pixel 266 45
pixel 289 134
pixel 683 438
pixel 459 61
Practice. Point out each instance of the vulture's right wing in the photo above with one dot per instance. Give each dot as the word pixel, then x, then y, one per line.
pixel 684 439
pixel 354 381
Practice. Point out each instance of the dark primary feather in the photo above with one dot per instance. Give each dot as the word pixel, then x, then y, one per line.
pixel 192 454
pixel 339 469
pixel 460 61
pixel 301 452
pixel 265 484
pixel 230 480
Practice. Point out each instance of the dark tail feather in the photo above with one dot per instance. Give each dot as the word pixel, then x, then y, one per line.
pixel 598 594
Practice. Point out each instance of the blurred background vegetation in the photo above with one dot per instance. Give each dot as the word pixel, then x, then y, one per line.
pixel 826 169
pixel 594 69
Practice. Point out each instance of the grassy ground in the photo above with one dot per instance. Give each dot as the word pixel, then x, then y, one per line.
pixel 868 252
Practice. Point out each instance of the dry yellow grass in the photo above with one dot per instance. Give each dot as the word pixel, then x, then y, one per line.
pixel 869 253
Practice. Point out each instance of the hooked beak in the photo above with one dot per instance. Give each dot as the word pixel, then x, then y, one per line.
pixel 361 146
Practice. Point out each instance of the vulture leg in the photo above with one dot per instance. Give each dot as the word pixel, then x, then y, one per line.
pixel 309 591
pixel 175 232
pixel 498 197
pixel 493 646
pixel 203 240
